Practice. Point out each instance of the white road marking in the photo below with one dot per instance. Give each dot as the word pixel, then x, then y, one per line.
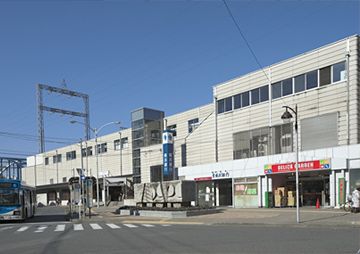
pixel 130 225
pixel 111 225
pixel 59 228
pixel 5 228
pixel 78 227
pixel 95 226
pixel 147 225
pixel 166 225
pixel 40 229
pixel 22 229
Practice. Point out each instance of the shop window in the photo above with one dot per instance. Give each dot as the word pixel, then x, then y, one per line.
pixel 325 76
pixel 255 96
pixel 339 72
pixel 276 90
pixel 237 101
pixel 220 106
pixel 264 93
pixel 311 79
pixel 245 100
pixel 246 189
pixel 299 83
pixel 287 87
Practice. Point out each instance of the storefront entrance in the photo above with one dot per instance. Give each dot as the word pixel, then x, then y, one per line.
pixel 313 186
pixel 223 192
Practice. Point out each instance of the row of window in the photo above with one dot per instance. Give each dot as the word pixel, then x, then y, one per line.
pixel 317 78
pixel 88 151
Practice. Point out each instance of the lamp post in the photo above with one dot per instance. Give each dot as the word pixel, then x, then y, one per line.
pixel 96 132
pixel 287 116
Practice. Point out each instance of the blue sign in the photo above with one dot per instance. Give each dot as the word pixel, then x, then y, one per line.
pixel 168 153
pixel 82 177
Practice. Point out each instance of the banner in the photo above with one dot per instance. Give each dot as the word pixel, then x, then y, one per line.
pixel 168 154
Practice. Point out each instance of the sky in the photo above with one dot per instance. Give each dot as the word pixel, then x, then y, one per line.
pixel 125 55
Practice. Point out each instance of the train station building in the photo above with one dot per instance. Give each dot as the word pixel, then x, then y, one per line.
pixel 237 148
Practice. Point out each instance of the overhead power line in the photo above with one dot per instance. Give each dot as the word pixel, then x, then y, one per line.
pixel 245 40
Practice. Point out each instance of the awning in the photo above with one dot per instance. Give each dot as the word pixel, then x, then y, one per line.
pixel 115 181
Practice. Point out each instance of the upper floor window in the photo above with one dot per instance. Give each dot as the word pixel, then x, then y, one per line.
pixel 299 83
pixel 311 79
pixel 245 99
pixel 224 105
pixel 173 129
pixel 193 124
pixel 71 155
pixel 276 90
pixel 57 158
pixel 47 161
pixel 339 72
pixel 325 76
pixel 89 151
pixel 237 101
pixel 287 87
pixel 102 148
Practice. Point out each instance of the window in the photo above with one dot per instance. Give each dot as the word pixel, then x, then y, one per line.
pixel 47 161
pixel 228 104
pixel 282 138
pixel 64 180
pixel 245 100
pixel 287 87
pixel 85 153
pixel 264 93
pixel 237 101
pixel 252 143
pixel 193 124
pixel 224 105
pixel 299 83
pixel 319 132
pixel 173 129
pixel 255 96
pixel 71 155
pixel 51 181
pixel 276 90
pixel 155 173
pixel 124 143
pixel 311 79
pixel 102 148
pixel 57 158
pixel 339 72
pixel 325 76
pixel 221 106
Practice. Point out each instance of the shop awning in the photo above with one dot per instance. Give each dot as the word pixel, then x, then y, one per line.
pixel 115 181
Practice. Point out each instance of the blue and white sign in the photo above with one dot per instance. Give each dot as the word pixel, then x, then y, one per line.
pixel 168 153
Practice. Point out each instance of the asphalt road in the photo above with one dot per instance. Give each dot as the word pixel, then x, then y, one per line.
pixel 60 236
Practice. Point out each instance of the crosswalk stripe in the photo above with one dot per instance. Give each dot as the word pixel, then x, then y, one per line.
pixel 5 228
pixel 95 226
pixel 147 225
pixel 22 229
pixel 40 229
pixel 130 225
pixel 111 225
pixel 78 227
pixel 60 228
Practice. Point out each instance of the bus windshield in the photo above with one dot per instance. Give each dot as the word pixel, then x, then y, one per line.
pixel 9 197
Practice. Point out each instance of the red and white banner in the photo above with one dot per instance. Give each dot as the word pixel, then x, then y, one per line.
pixel 303 166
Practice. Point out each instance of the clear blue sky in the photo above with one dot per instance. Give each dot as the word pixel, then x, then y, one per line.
pixel 129 54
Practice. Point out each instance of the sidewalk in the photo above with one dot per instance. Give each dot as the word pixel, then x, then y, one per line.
pixel 256 216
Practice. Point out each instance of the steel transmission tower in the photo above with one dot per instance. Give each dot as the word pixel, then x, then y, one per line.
pixel 41 108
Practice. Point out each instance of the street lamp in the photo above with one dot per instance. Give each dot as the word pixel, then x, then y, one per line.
pixel 286 116
pixel 96 132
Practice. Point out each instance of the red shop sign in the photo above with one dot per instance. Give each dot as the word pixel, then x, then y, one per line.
pixel 290 167
pixel 209 178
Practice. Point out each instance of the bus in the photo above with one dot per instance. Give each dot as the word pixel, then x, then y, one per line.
pixel 17 200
